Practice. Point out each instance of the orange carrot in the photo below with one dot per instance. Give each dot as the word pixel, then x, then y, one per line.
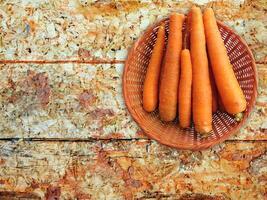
pixel 202 98
pixel 220 104
pixel 168 94
pixel 232 95
pixel 213 92
pixel 150 93
pixel 163 62
pixel 162 67
pixel 187 32
pixel 185 89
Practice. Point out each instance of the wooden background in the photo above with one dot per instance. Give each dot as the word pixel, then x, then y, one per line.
pixel 64 130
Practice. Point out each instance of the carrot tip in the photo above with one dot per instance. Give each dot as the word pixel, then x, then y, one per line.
pixel 203 129
pixel 162 24
pixel 174 14
pixel 239 117
pixel 195 8
pixel 209 9
pixel 205 135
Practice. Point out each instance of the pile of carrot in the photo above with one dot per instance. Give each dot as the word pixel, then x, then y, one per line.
pixel 191 81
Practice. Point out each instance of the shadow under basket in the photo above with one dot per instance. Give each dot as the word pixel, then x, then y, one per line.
pixel 170 133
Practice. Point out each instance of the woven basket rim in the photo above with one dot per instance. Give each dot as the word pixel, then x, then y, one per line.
pixel 194 147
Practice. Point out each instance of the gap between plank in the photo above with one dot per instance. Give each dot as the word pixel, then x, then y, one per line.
pixel 73 61
pixel 104 139
pixel 61 61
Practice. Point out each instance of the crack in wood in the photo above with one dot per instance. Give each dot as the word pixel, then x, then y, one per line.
pixel 74 61
pixel 61 61
pixel 92 140
pixel 17 196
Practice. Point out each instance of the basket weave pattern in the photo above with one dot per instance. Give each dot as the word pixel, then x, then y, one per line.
pixel 170 133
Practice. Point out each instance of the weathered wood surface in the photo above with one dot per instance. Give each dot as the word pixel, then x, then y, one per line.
pixel 138 169
pixel 83 101
pixel 77 29
pixel 64 129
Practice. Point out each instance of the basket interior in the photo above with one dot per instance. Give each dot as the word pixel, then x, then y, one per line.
pixel 170 133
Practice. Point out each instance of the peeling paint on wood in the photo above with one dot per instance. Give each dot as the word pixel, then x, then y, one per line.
pixel 83 101
pixel 64 130
pixel 73 29
pixel 53 193
pixel 129 169
pixel 18 196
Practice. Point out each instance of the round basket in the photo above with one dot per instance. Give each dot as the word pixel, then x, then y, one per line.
pixel 170 133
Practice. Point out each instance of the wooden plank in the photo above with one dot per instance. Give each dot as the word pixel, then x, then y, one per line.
pixel 63 101
pixel 73 29
pixel 83 101
pixel 132 169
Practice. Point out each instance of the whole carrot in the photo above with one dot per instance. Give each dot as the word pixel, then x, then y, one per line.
pixel 202 99
pixel 168 93
pixel 150 92
pixel 185 89
pixel 232 95
pixel 213 92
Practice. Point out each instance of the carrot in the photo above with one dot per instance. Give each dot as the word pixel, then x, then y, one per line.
pixel 163 61
pixel 162 67
pixel 202 98
pixel 187 32
pixel 150 93
pixel 213 92
pixel 232 95
pixel 168 93
pixel 220 104
pixel 185 89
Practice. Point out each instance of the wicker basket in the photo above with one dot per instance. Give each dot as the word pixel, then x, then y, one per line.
pixel 170 133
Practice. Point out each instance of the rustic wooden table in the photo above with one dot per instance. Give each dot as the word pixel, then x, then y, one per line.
pixel 65 131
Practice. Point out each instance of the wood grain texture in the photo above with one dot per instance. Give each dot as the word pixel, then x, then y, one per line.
pixel 74 29
pixel 64 130
pixel 132 169
pixel 82 101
